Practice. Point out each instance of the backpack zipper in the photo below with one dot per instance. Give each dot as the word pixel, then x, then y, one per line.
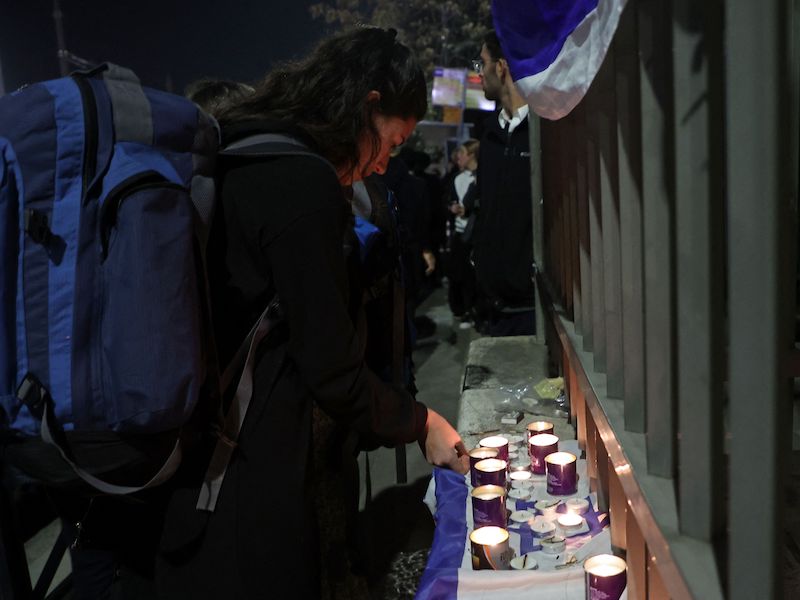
pixel 90 126
pixel 123 190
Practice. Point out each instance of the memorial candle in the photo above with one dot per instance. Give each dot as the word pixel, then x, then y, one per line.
pixel 562 474
pixel 490 471
pixel 478 454
pixel 577 505
pixel 606 577
pixel 520 478
pixel 489 506
pixel 570 522
pixel 499 443
pixel 538 427
pixel 547 508
pixel 517 473
pixel 543 528
pixel 490 549
pixel 526 562
pixel 541 446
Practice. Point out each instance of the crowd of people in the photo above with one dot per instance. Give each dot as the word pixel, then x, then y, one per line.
pixel 348 236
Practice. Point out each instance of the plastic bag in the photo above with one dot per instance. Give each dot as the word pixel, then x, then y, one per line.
pixel 546 398
pixel 550 389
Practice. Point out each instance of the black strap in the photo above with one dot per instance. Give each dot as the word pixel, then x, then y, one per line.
pixel 262 144
pixel 272 144
pixel 398 364
pixel 232 426
pixel 33 394
pixel 37 226
pixel 51 566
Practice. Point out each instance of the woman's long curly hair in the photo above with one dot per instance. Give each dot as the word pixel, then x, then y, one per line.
pixel 325 95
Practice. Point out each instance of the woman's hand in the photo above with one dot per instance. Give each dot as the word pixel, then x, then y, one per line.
pixel 442 445
pixel 457 209
pixel 430 261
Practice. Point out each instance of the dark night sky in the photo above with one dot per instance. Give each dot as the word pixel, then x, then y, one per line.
pixel 180 39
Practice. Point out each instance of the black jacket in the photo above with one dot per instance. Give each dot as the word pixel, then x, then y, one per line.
pixel 280 227
pixel 503 237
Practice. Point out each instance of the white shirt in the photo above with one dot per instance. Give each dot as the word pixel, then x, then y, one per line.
pixel 518 117
pixel 462 182
pixel 362 205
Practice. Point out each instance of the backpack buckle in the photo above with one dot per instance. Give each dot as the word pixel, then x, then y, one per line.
pixel 32 394
pixel 37 226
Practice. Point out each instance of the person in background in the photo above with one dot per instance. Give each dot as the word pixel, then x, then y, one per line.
pixel 460 274
pixel 419 260
pixel 414 214
pixel 212 95
pixel 280 230
pixel 503 237
pixel 419 164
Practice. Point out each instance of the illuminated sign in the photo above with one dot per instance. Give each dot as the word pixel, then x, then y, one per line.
pixel 448 87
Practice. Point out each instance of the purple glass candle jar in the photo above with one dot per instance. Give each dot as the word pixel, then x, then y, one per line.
pixel 537 427
pixel 541 445
pixel 562 474
pixel 491 471
pixel 490 549
pixel 475 455
pixel 489 506
pixel 499 443
pixel 606 577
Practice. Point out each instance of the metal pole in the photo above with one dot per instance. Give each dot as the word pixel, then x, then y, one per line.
pixel 606 123
pixel 655 51
pixel 58 17
pixel 700 262
pixel 629 148
pixel 2 84
pixel 537 198
pixel 761 288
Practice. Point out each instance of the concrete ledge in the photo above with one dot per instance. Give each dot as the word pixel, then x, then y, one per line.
pixel 504 361
pixel 494 366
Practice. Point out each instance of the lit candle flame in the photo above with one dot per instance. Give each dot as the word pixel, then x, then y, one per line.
pixel 570 520
pixel 561 458
pixel 543 439
pixel 488 492
pixel 491 465
pixel 605 565
pixel 489 536
pixel 494 441
pixel 539 426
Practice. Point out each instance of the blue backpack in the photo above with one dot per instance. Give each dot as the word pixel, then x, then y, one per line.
pixel 106 194
pixel 106 198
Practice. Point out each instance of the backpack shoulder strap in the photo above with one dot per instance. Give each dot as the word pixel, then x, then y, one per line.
pixel 272 144
pixel 266 145
pixel 234 418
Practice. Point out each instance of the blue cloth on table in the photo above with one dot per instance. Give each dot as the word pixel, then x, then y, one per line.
pixel 524 504
pixel 440 579
pixel 528 542
pixel 592 518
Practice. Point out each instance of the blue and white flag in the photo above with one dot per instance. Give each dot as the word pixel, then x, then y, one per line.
pixel 449 573
pixel 554 48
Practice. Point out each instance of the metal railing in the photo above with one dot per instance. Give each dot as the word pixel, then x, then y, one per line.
pixel 667 229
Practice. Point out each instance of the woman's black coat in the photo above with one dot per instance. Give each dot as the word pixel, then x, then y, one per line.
pixel 279 227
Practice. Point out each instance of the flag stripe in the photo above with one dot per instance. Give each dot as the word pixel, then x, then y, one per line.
pixel 440 579
pixel 547 25
pixel 553 83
